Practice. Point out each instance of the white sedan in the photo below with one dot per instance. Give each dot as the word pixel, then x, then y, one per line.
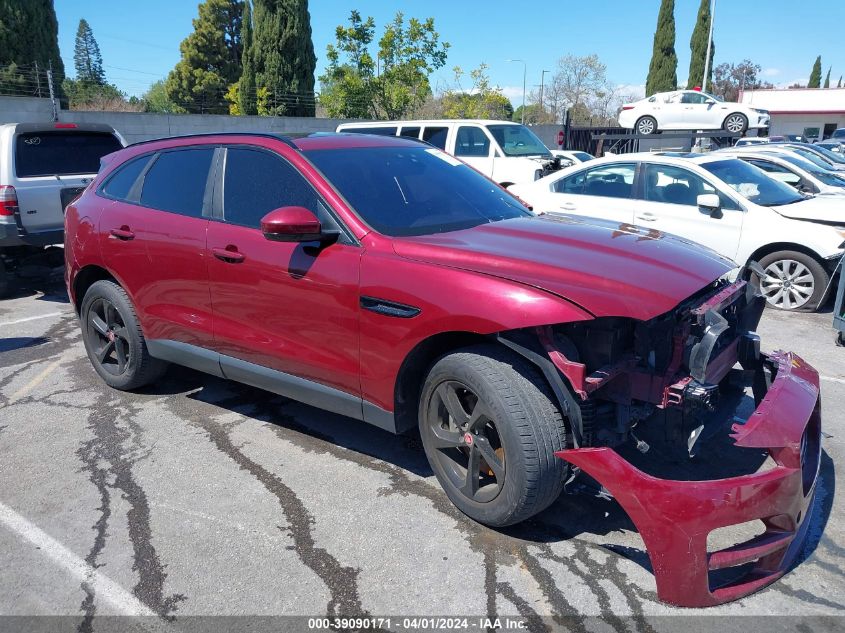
pixel 794 170
pixel 716 200
pixel 689 110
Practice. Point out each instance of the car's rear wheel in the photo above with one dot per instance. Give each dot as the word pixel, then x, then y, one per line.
pixel 794 281
pixel 490 427
pixel 736 122
pixel 646 125
pixel 114 340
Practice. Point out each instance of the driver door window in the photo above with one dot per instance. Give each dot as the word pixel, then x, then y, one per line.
pixel 675 185
pixel 472 142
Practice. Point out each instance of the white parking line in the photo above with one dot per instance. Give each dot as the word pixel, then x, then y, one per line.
pixel 32 318
pixel 104 588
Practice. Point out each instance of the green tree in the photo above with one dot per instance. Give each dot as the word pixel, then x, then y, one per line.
pixel 29 36
pixel 155 99
pixel 839 84
pixel 283 54
pixel 482 101
pixel 698 47
pixel 729 79
pixel 534 114
pixel 663 69
pixel 85 95
pixel 816 74
pixel 396 82
pixel 246 84
pixel 827 79
pixel 87 59
pixel 211 58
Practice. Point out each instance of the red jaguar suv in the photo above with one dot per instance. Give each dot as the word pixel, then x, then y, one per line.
pixel 382 279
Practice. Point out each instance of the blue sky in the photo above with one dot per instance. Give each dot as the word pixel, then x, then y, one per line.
pixel 140 40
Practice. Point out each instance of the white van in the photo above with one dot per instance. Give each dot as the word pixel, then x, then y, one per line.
pixel 506 152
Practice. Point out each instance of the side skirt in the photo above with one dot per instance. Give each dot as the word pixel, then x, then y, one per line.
pixel 274 381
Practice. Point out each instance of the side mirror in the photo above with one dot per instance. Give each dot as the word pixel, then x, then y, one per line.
pixel 710 203
pixel 292 224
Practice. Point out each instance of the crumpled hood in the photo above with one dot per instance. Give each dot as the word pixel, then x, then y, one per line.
pixel 607 268
pixel 819 208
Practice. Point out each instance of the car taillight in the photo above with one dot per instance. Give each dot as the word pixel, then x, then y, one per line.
pixel 8 200
pixel 627 107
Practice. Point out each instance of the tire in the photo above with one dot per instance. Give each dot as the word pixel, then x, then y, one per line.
pixel 519 425
pixel 794 281
pixel 735 122
pixel 646 125
pixel 840 339
pixel 114 340
pixel 4 280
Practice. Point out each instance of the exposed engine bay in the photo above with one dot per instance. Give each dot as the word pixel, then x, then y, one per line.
pixel 622 370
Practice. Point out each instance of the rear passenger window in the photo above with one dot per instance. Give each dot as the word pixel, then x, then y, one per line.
pixel 120 182
pixel 410 132
pixel 176 181
pixel 256 182
pixel 436 136
pixel 379 131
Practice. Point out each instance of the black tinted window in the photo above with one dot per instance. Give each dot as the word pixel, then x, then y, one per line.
pixel 176 181
pixel 379 131
pixel 256 182
pixel 471 141
pixel 436 136
pixel 61 153
pixel 410 132
pixel 121 181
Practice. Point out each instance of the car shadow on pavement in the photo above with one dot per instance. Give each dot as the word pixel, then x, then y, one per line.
pixel 570 517
pixel 21 342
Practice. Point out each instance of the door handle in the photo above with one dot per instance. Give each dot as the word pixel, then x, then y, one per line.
pixel 229 254
pixel 647 217
pixel 123 233
pixel 568 206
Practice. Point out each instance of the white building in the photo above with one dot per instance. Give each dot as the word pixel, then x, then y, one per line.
pixel 812 112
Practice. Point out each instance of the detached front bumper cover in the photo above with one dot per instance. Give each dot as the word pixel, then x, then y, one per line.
pixel 674 518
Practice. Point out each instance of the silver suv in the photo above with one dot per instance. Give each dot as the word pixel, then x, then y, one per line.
pixel 43 166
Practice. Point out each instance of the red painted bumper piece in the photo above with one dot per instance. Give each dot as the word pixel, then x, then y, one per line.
pixel 674 518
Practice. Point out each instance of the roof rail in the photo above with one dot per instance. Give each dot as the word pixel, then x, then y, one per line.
pixel 287 139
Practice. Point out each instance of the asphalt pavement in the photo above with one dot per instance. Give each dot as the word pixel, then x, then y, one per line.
pixel 202 497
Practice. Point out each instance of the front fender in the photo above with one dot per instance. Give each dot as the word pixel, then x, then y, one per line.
pixel 445 300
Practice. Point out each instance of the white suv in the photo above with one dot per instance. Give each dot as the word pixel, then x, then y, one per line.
pixel 43 166
pixel 503 151
pixel 716 200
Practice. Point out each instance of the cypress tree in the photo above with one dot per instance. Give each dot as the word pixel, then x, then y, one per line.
pixel 211 58
pixel 827 79
pixel 29 35
pixel 283 54
pixel 246 85
pixel 698 47
pixel 839 85
pixel 86 56
pixel 816 74
pixel 663 70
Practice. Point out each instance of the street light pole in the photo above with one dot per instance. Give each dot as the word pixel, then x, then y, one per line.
pixel 524 73
pixel 542 85
pixel 709 44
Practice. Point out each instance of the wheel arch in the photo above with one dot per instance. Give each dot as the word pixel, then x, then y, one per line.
pixel 768 249
pixel 87 277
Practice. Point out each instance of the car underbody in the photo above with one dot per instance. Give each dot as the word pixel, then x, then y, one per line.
pixel 620 372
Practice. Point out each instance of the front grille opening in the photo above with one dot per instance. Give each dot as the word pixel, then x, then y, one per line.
pixel 730 535
pixel 729 575
pixel 811 451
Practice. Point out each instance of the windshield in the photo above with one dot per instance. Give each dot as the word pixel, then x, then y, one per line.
pixel 826 176
pixel 814 158
pixel 583 156
pixel 518 140
pixel 832 156
pixel 401 191
pixel 752 183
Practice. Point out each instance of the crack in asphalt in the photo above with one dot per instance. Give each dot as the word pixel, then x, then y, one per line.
pixel 112 444
pixel 341 581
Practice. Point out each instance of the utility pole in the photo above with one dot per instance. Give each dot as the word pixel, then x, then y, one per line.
pixel 542 85
pixel 52 94
pixel 709 44
pixel 524 73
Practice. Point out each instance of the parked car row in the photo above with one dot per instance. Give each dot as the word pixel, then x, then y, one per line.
pixel 727 204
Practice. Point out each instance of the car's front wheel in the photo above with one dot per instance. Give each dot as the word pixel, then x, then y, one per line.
pixel 794 281
pixel 490 427
pixel 113 338
pixel 736 123
pixel 646 125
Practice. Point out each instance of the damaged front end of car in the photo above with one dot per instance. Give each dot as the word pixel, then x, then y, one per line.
pixel 612 374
